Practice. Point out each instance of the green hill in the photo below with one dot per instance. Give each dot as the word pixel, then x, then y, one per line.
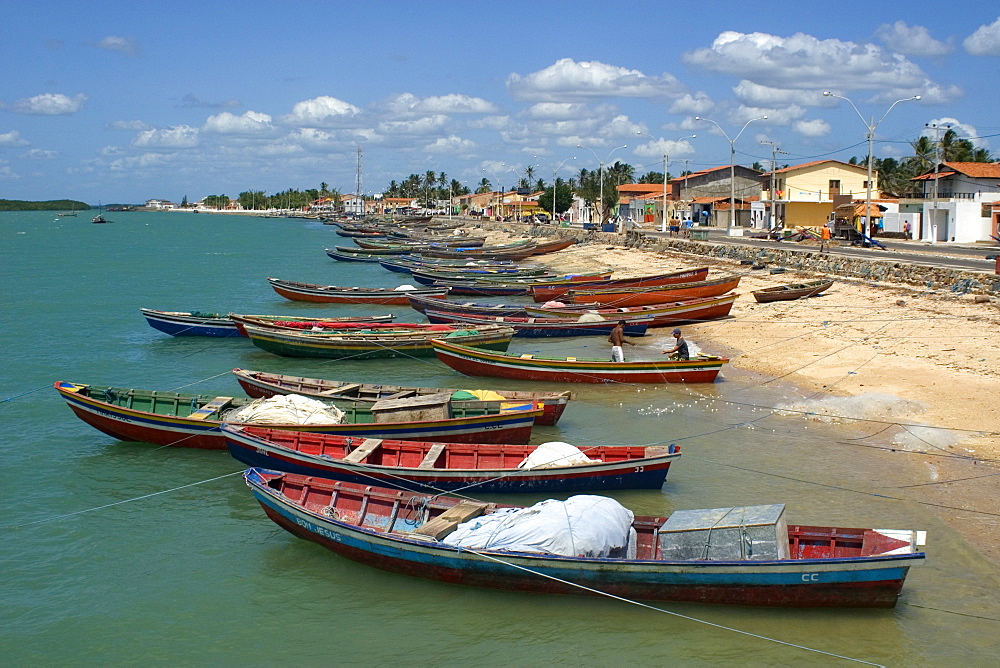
pixel 51 205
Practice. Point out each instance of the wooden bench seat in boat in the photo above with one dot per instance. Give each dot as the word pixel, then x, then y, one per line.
pixel 360 453
pixel 445 523
pixel 432 456
pixel 213 406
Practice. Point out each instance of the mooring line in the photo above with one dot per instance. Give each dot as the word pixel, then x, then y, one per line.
pixel 118 503
pixel 667 612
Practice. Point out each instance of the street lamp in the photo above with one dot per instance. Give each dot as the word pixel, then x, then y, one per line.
pixel 663 223
pixel 600 176
pixel 732 167
pixel 870 126
pixel 555 182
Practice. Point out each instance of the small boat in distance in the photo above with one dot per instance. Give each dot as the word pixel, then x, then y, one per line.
pixel 99 218
pixel 790 291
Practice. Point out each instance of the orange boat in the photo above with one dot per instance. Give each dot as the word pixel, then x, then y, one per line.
pixel 618 297
pixel 542 293
pixel 686 310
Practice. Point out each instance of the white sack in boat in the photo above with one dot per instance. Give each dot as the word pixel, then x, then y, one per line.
pixel 581 526
pixel 553 304
pixel 590 317
pixel 404 287
pixel 287 409
pixel 554 454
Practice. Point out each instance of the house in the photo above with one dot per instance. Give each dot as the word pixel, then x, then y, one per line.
pixel 805 195
pixel 710 190
pixel 159 204
pixel 353 204
pixel 957 202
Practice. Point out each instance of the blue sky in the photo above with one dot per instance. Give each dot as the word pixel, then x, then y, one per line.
pixel 123 102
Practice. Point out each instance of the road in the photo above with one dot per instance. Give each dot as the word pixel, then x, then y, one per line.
pixel 965 258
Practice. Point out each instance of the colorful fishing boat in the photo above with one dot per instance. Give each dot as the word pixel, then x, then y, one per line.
pixel 331 294
pixel 261 384
pixel 374 344
pixel 195 421
pixel 542 293
pixel 345 254
pixel 473 362
pixel 617 297
pixel 194 323
pixel 477 468
pixel 345 324
pixel 531 327
pixel 498 286
pixel 687 310
pixel 790 291
pixel 469 308
pixel 776 564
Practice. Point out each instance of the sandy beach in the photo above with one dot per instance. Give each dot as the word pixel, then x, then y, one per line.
pixel 918 369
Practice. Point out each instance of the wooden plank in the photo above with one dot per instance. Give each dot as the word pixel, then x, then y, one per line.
pixel 445 523
pixel 399 395
pixel 341 389
pixel 432 456
pixel 361 452
pixel 211 407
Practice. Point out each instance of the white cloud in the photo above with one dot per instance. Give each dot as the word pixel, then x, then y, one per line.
pixel 490 123
pixel 406 104
pixel 133 126
pixel 696 104
pixel 13 138
pixel 985 41
pixel 802 62
pixel 125 45
pixel 670 147
pixel 814 128
pixel 452 144
pixel 963 130
pixel 320 111
pixel 755 94
pixel 568 79
pixel 50 104
pixel 911 40
pixel 419 126
pixel 39 154
pixel 178 136
pixel 558 111
pixel 250 123
pixel 7 173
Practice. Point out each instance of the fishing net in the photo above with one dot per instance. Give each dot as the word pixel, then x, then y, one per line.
pixel 286 409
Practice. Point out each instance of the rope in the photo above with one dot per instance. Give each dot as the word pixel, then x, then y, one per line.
pixel 667 612
pixel 118 503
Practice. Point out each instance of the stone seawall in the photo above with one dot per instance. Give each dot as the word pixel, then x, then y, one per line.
pixel 865 269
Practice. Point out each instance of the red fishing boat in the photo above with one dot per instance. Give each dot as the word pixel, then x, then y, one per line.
pixel 687 310
pixel 546 293
pixel 332 294
pixel 654 294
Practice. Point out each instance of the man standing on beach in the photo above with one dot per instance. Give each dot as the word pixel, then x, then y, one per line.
pixel 825 237
pixel 679 351
pixel 616 339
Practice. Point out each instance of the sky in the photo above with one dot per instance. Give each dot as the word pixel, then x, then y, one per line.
pixel 125 102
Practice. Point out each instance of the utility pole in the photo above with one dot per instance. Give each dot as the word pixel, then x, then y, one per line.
pixel 937 168
pixel 357 186
pixel 774 165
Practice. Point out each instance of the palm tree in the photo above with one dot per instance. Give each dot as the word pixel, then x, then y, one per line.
pixel 484 186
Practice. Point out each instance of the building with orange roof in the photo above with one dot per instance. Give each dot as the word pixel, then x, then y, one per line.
pixel 805 195
pixel 957 202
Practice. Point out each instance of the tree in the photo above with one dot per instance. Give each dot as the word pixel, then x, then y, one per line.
pixel 564 198
pixel 484 186
pixel 652 177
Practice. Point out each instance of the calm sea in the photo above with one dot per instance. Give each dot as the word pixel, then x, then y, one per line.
pixel 114 553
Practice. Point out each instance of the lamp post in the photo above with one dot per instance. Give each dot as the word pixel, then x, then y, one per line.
pixel 663 223
pixel 870 126
pixel 732 167
pixel 600 176
pixel 555 182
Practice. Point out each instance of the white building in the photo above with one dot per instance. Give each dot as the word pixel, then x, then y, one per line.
pixel 960 207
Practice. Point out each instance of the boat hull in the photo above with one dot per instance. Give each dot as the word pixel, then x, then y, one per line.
pixel 692 310
pixel 835 582
pixel 543 293
pixel 258 385
pixel 643 296
pixel 645 473
pixel 570 370
pixel 131 425
pixel 177 323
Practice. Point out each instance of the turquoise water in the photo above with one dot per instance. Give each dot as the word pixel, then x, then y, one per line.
pixel 113 553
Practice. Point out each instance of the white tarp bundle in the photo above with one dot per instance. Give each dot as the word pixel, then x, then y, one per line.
pixel 404 288
pixel 287 409
pixel 581 526
pixel 590 317
pixel 554 454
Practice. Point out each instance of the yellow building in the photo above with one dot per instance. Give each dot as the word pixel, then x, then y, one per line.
pixel 804 194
